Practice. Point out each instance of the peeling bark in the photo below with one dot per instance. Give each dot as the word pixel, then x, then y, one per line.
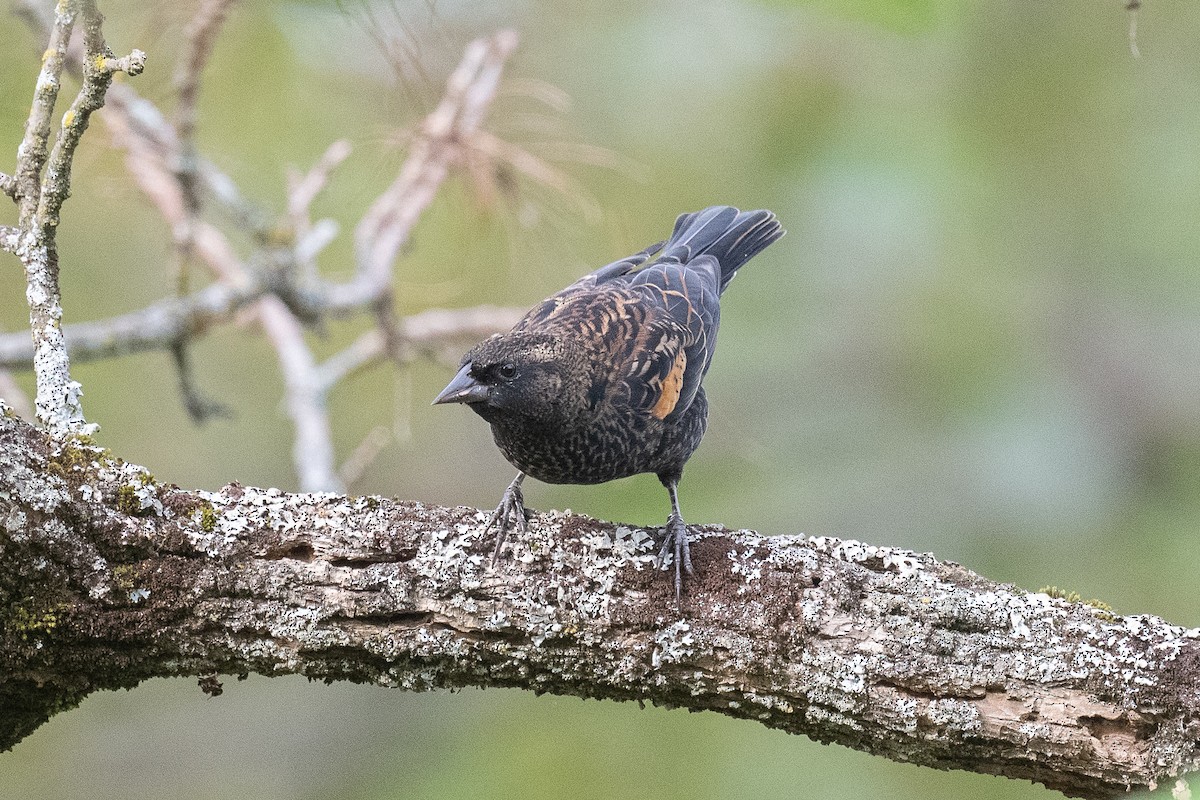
pixel 107 579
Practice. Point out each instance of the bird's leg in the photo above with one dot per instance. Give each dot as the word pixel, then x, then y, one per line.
pixel 675 542
pixel 512 504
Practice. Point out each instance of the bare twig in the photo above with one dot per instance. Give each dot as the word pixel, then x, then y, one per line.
pixel 155 327
pixel 200 407
pixel 439 334
pixel 35 146
pixel 201 36
pixel 98 68
pixel 312 450
pixel 386 226
pixel 311 238
pixel 364 455
pixel 304 189
pixel 431 330
pixel 498 150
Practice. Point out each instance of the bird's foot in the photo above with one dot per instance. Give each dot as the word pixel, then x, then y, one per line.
pixel 675 547
pixel 511 508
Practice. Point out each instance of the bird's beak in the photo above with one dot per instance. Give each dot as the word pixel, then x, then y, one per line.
pixel 463 389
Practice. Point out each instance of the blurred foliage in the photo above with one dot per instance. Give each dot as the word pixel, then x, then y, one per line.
pixel 980 338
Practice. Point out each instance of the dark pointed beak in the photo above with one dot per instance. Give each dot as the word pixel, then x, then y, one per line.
pixel 463 389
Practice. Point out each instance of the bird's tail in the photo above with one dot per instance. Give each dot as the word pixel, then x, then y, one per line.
pixel 730 236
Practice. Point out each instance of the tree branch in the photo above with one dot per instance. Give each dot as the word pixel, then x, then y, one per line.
pixel 107 579
pixel 442 137
pixel 41 186
pixel 280 282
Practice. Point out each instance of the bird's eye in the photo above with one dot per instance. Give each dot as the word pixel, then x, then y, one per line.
pixel 507 371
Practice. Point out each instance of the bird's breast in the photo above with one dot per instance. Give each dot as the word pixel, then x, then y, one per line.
pixel 603 447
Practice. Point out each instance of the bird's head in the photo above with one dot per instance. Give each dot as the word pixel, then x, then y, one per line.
pixel 518 375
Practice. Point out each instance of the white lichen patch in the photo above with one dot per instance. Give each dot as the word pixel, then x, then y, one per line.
pixel 146 496
pixel 894 559
pixel 229 524
pixel 672 644
pixel 953 717
pixel 770 702
pixel 745 565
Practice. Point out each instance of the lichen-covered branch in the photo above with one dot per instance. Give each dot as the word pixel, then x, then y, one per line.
pixel 41 186
pixel 57 395
pixel 107 579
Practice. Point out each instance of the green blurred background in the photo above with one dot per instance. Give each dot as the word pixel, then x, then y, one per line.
pixel 980 338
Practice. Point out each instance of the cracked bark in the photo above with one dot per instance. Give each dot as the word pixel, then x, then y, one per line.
pixel 107 579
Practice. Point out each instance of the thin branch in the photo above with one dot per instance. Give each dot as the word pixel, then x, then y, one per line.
pixel 540 171
pixel 386 226
pixel 368 349
pixel 312 449
pixel 365 454
pixel 155 327
pixel 35 146
pixel 43 183
pixel 429 333
pixel 311 239
pixel 201 34
pixel 1132 6
pixel 98 68
pixel 303 190
pixel 434 334
pixel 199 406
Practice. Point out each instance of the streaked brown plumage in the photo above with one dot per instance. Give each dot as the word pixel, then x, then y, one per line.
pixel 603 379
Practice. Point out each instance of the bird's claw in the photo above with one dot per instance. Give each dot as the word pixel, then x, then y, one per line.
pixel 512 507
pixel 675 547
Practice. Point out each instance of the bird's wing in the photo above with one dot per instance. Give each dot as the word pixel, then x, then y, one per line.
pixel 682 317
pixel 655 324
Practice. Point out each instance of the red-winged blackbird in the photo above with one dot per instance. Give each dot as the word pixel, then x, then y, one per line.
pixel 602 380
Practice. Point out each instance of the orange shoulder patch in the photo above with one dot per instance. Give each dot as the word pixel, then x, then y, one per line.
pixel 671 386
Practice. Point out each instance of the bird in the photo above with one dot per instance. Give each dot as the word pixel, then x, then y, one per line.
pixel 603 380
